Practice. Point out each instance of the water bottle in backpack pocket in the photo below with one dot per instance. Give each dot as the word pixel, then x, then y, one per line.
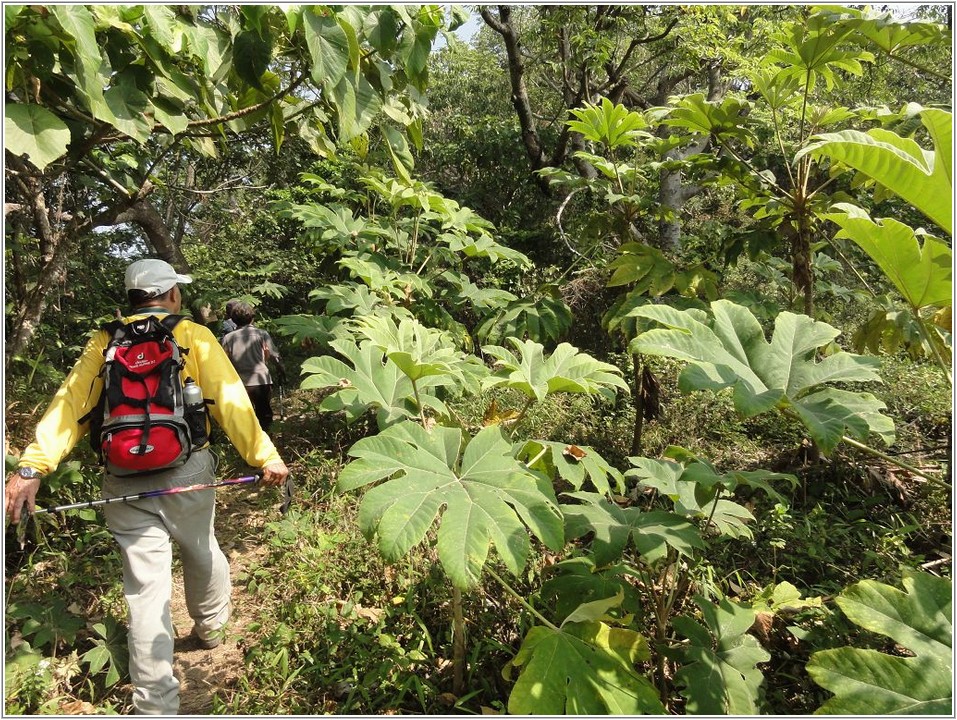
pixel 140 423
pixel 195 411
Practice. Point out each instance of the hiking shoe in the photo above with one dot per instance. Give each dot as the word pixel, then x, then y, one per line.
pixel 209 643
pixel 213 641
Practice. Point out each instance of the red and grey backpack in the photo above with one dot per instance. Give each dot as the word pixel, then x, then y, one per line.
pixel 139 423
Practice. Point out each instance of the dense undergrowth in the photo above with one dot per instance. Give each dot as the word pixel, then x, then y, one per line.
pixel 338 630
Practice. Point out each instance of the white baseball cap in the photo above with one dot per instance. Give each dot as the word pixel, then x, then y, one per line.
pixel 153 276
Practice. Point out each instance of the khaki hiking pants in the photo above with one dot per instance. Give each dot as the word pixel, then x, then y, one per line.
pixel 144 529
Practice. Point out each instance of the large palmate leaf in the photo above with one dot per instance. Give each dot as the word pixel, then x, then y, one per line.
pixel 565 370
pixel 541 318
pixel 465 293
pixel 694 488
pixel 868 682
pixel 891 328
pixel 723 119
pixel 109 650
pixel 645 265
pixel 336 223
pixel 922 178
pixel 652 532
pixel 921 273
pixel 718 675
pixel 367 383
pixel 483 246
pixel 581 580
pixel 320 328
pixel 729 350
pixel 610 124
pixel 484 497
pixel 582 668
pixel 352 299
pixel 423 352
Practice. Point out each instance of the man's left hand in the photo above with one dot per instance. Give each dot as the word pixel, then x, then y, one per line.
pixel 275 473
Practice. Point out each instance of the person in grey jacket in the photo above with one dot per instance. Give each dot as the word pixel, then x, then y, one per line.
pixel 251 349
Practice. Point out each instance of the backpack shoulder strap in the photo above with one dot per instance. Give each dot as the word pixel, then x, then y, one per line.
pixel 171 321
pixel 112 326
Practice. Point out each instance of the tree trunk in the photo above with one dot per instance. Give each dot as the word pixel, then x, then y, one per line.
pixel 802 270
pixel 148 218
pixel 33 305
pixel 58 241
pixel 520 101
pixel 54 244
pixel 672 193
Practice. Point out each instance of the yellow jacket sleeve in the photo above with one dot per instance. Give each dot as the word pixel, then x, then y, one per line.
pixel 59 429
pixel 208 364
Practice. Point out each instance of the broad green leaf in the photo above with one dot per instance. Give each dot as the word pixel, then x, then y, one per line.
pixel 78 22
pixel 580 580
pixel 540 318
pixel 829 412
pixel 128 105
pixel 573 463
pixel 644 265
pixel 328 46
pixel 921 273
pixel 467 293
pixel 367 383
pixel 889 35
pixel 35 132
pixel 485 498
pixel 252 52
pixel 402 160
pixel 565 370
pixel 922 178
pixel 10 13
pixel 730 350
pixel 919 618
pixel 169 116
pixel 110 651
pixel 694 489
pixel 163 27
pixel 483 246
pixel 725 118
pixel 320 328
pixel 595 610
pixel 209 45
pixel 783 597
pixel 817 48
pixel 357 104
pixel 582 669
pixel 651 532
pixel 382 35
pixel 610 124
pixel 719 674
pixel 419 351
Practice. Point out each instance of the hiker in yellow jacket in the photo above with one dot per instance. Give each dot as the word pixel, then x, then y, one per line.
pixel 144 529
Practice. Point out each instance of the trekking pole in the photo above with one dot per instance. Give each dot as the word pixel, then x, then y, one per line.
pixel 148 494
pixel 282 404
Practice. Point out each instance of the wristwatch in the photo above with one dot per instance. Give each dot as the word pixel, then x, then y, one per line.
pixel 29 473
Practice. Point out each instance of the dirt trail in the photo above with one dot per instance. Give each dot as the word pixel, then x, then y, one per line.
pixel 203 673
